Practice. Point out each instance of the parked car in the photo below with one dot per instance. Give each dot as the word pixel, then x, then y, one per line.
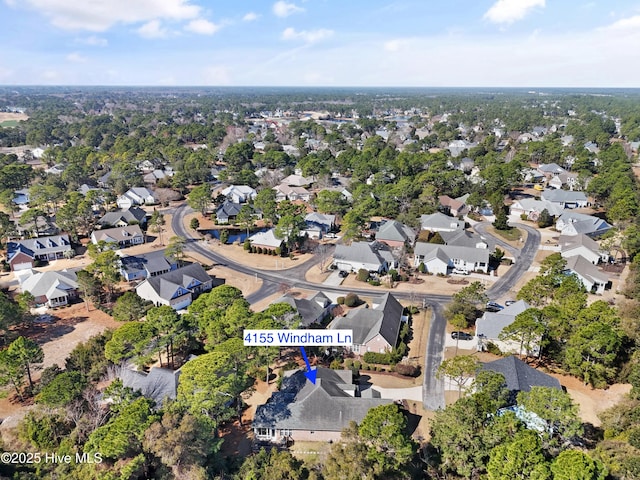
pixel 459 271
pixel 509 302
pixel 343 273
pixel 461 335
pixel 538 187
pixel 330 235
pixel 494 307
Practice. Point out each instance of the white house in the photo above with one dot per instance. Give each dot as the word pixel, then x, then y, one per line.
pixel 439 222
pixel 374 257
pixel 52 288
pixel 584 246
pixel 291 193
pixel 124 236
pixel 439 259
pixel 239 193
pixel 532 208
pixel 136 196
pixel 571 224
pixel 594 280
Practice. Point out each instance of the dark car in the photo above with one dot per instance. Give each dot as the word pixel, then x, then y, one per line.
pixel 494 307
pixel 461 336
pixel 343 273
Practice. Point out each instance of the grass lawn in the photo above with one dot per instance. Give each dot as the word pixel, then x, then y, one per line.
pixel 512 234
pixel 9 123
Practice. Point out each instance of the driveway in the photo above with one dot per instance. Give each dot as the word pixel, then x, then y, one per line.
pixel 334 279
pixel 411 393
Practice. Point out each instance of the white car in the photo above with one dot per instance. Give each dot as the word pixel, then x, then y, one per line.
pixel 459 271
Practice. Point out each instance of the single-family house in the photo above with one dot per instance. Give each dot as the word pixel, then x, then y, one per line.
pixel 177 288
pixel 451 206
pixel 159 385
pixel 266 240
pixel 593 280
pixel 490 326
pixel 532 175
pixel 123 236
pixel 565 198
pixel 297 181
pixel 122 218
pixel 583 245
pixel 569 179
pixel 318 224
pixel 286 192
pixel 456 147
pixel 21 254
pixel 239 193
pixel 532 208
pixel 440 259
pixel 463 238
pixel 520 377
pixel 228 211
pixel 304 411
pixel 571 224
pixel 145 265
pixel 371 256
pixel 439 222
pixel 52 288
pixel 136 196
pixel 395 234
pixel 103 180
pixel 311 310
pixel 375 329
pixel 550 170
pixel 155 176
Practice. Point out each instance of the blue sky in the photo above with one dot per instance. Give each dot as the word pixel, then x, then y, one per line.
pixel 510 43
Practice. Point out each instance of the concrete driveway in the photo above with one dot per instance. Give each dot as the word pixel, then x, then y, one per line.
pixel 334 279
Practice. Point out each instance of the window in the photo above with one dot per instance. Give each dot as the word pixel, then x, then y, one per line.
pixel 285 432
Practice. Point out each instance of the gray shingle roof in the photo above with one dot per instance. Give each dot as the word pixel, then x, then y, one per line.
pixel 40 245
pixel 361 252
pixel 167 284
pixel 133 214
pixel 461 238
pixel 158 385
pixel 519 376
pixel 440 221
pixel 586 269
pixel 491 324
pixel 366 323
pixel 395 231
pixel 118 234
pixel 563 196
pixel 325 406
pixel 446 252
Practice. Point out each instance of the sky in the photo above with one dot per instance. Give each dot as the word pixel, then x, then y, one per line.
pixel 404 43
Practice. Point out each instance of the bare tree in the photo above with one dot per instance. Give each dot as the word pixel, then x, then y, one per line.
pixel 322 251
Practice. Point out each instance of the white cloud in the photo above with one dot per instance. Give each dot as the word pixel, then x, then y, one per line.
pixel 75 57
pixel 284 9
pixel 152 29
pixel 509 11
pixel 94 41
pixel 396 44
pixel 630 25
pixel 250 17
pixel 99 16
pixel 202 27
pixel 308 36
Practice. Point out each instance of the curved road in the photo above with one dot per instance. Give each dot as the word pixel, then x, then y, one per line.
pixel 433 391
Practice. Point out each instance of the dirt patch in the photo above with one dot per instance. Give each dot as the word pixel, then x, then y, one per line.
pixel 12 117
pixel 315 275
pixel 238 254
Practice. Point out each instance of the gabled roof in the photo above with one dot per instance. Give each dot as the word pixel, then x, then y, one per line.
pixel 447 201
pixel 325 406
pixel 534 205
pixel 51 284
pixel 586 224
pixel 468 254
pixel 570 242
pixel 159 384
pixel 320 218
pixel 309 309
pixel 462 238
pixel 586 269
pixel 297 181
pixel 551 168
pixel 152 262
pixel 360 252
pixel 492 323
pixel 393 230
pixel 440 220
pixel 117 234
pixel 267 238
pixel 167 284
pixel 129 215
pixel 563 196
pixel 39 245
pixel 228 209
pixel 384 319
pixel 519 376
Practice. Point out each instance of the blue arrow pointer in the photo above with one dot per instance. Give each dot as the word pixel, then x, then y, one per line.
pixel 310 374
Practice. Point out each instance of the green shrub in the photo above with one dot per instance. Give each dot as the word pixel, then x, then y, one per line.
pixel 340 300
pixel 375 357
pixel 259 250
pixel 394 275
pixel 348 363
pixel 194 223
pixel 357 365
pixel 375 283
pixel 247 245
pixel 335 365
pixel 363 274
pixel 351 300
pixel 278 251
pixel 493 348
pixel 523 216
pixel 422 268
